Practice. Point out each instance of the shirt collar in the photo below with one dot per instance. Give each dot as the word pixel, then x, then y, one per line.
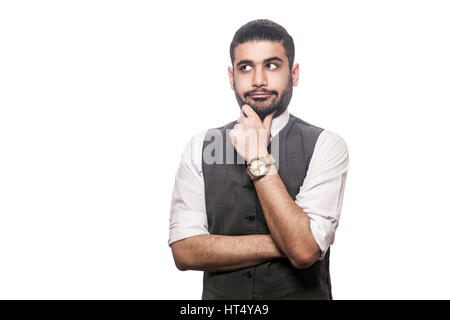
pixel 278 123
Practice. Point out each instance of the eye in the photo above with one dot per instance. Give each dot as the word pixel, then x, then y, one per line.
pixel 273 64
pixel 244 66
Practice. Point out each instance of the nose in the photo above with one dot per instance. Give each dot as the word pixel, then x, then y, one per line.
pixel 259 77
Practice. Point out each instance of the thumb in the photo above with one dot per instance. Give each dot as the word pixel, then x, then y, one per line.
pixel 267 123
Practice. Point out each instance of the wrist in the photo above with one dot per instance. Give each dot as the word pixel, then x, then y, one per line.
pixel 253 155
pixel 260 166
pixel 272 170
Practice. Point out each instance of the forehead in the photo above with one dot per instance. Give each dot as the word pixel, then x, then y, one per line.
pixel 259 50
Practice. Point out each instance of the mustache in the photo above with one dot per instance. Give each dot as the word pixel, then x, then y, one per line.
pixel 260 91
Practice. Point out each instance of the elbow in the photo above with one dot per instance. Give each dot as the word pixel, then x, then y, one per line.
pixel 181 257
pixel 302 263
pixel 303 260
pixel 187 253
pixel 181 266
pixel 180 261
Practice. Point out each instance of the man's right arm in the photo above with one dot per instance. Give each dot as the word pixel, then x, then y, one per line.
pixel 217 253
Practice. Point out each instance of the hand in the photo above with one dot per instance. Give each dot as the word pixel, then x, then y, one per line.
pixel 250 136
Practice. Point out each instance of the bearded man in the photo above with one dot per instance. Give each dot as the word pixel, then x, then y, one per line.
pixel 256 202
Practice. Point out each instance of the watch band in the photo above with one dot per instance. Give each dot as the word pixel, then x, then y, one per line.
pixel 268 159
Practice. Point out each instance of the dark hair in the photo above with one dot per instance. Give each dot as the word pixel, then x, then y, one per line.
pixel 264 29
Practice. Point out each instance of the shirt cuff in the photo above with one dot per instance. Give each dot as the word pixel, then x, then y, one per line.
pixel 320 234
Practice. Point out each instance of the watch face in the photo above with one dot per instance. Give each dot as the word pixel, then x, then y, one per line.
pixel 258 167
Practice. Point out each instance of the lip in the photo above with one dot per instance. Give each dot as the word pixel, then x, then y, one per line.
pixel 260 95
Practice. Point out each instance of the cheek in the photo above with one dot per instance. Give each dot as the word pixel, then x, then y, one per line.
pixel 241 87
pixel 278 83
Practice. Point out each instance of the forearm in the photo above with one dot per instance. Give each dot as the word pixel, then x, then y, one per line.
pixel 217 253
pixel 288 224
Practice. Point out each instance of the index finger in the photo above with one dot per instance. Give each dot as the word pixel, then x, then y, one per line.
pixel 248 111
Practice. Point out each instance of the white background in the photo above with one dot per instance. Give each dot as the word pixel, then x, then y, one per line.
pixel 98 99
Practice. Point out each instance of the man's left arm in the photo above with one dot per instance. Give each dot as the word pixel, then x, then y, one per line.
pixel 299 237
pixel 288 224
pixel 305 236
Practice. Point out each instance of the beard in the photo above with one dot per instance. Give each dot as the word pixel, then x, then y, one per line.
pixel 263 108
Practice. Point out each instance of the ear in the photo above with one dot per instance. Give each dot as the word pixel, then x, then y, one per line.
pixel 295 74
pixel 231 77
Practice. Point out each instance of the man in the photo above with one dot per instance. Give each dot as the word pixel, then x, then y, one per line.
pixel 259 220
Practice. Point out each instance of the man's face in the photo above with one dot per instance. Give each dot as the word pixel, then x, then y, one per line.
pixel 261 78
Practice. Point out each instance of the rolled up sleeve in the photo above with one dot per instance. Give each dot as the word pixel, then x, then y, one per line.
pixel 322 192
pixel 188 213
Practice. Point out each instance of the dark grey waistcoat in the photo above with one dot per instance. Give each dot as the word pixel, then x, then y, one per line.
pixel 233 208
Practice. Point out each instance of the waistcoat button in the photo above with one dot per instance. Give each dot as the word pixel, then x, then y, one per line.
pixel 248 186
pixel 250 218
pixel 248 274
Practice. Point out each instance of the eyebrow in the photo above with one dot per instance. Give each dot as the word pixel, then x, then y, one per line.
pixel 265 61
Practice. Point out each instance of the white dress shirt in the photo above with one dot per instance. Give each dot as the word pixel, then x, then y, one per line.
pixel 320 196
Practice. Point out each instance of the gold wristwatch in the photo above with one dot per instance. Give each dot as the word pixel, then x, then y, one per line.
pixel 258 167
